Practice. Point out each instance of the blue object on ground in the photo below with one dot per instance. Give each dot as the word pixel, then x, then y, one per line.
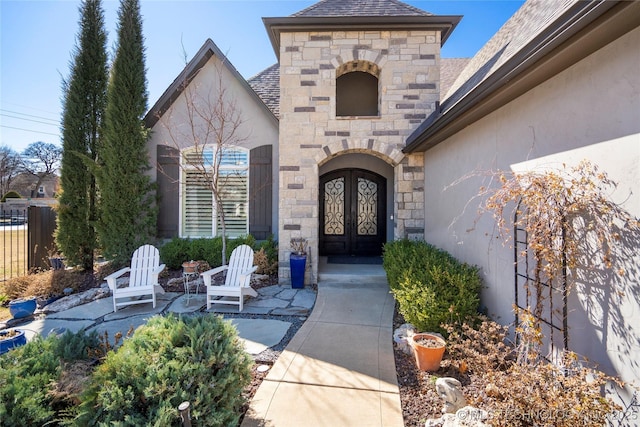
pixel 7 344
pixel 22 307
pixel 297 264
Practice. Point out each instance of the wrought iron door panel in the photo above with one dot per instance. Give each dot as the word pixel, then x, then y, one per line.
pixel 367 207
pixel 334 207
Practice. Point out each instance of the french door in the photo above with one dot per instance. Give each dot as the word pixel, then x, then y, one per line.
pixel 352 213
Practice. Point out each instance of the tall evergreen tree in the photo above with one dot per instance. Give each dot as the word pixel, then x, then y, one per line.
pixel 85 97
pixel 127 197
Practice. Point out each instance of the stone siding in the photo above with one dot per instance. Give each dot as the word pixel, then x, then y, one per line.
pixel 407 66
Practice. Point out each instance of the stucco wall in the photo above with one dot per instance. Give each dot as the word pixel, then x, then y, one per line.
pixel 589 111
pixel 174 128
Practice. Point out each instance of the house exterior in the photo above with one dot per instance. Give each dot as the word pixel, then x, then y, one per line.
pixel 31 187
pixel 358 134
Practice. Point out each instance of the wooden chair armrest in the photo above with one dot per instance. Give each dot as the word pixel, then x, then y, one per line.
pixel 159 269
pixel 111 279
pixel 206 276
pixel 249 272
pixel 155 273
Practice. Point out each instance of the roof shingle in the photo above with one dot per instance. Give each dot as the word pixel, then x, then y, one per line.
pixel 529 21
pixel 267 85
pixel 361 8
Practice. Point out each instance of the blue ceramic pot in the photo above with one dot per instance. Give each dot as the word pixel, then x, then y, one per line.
pixel 22 307
pixel 7 344
pixel 297 263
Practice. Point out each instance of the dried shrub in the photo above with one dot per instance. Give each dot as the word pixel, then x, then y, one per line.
pixel 569 219
pixel 45 284
pixel 265 266
pixel 73 379
pixel 525 391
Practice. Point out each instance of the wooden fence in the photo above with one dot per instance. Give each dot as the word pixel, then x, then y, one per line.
pixel 26 239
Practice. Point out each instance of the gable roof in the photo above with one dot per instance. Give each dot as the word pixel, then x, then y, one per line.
pixel 530 36
pixel 361 8
pixel 359 15
pixel 192 68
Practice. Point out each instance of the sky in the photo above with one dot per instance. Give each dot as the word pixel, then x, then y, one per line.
pixel 37 39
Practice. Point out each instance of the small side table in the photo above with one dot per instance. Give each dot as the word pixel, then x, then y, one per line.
pixel 189 272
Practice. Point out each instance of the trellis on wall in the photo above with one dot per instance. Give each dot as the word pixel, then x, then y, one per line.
pixel 545 300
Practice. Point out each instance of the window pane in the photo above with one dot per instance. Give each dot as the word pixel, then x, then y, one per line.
pixel 234 157
pixel 198 207
pixel 199 211
pixel 234 202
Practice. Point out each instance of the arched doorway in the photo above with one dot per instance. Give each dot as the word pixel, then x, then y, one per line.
pixel 352 213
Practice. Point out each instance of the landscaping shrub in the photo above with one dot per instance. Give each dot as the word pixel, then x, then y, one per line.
pixel 179 250
pixel 175 252
pixel 29 378
pixel 10 195
pixel 166 362
pixel 430 286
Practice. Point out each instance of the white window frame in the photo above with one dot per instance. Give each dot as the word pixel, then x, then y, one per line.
pixel 228 164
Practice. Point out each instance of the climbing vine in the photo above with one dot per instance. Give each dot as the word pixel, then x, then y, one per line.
pixel 568 216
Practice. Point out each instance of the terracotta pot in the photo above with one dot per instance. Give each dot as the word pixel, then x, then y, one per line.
pixel 428 357
pixel 189 267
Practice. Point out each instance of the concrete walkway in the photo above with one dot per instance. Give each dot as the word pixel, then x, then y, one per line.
pixel 339 369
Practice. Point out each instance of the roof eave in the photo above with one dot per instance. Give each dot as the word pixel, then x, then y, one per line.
pixel 443 23
pixel 530 67
pixel 208 49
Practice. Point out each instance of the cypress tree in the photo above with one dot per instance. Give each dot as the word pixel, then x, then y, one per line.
pixel 83 110
pixel 127 196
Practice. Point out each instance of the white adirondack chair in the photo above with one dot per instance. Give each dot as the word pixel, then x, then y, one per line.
pixel 143 279
pixel 237 284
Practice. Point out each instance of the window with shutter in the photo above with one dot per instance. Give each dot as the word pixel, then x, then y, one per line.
pixel 200 214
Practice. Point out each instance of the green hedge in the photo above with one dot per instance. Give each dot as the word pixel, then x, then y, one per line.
pixel 430 286
pixel 166 362
pixel 29 373
pixel 179 250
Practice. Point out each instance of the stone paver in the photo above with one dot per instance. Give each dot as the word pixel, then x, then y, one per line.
pixel 93 311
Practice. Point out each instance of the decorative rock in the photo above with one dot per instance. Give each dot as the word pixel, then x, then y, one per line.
pixel 450 391
pixel 76 299
pixel 401 337
pixel 68 291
